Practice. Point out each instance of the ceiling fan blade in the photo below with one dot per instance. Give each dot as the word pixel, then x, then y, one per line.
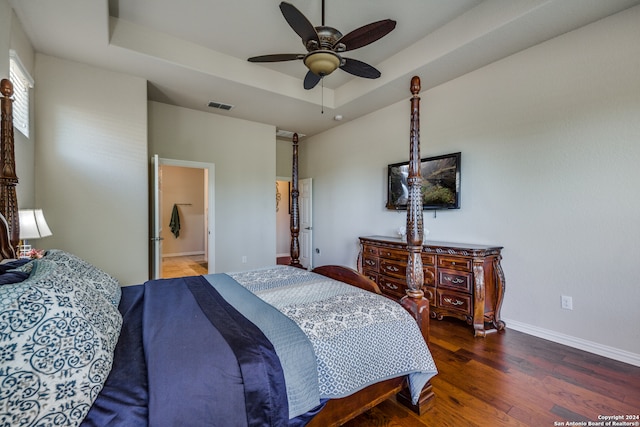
pixel 279 57
pixel 368 34
pixel 360 69
pixel 299 23
pixel 311 80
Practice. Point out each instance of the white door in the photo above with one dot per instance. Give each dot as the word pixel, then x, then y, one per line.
pixel 306 224
pixel 209 198
pixel 156 226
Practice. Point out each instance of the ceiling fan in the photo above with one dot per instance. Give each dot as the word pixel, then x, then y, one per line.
pixel 325 44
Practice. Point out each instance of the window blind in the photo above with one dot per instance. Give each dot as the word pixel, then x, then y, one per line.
pixel 22 82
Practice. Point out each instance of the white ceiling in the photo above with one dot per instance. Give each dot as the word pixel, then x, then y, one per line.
pixel 194 51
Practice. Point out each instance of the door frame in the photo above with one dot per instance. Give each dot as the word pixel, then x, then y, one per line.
pixel 305 209
pixel 209 214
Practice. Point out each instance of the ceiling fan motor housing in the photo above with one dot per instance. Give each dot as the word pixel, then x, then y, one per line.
pixel 328 37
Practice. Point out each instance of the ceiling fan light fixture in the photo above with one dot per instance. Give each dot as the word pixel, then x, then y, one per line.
pixel 322 62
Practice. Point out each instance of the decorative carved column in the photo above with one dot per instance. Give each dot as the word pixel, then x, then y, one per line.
pixel 415 275
pixel 295 216
pixel 414 301
pixel 8 178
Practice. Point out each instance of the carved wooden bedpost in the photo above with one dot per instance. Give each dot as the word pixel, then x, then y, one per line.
pixel 415 275
pixel 414 301
pixel 8 178
pixel 295 216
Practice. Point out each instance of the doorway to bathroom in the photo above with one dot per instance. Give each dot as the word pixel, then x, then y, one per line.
pixel 183 238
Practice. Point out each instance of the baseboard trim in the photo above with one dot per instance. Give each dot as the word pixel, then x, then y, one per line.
pixel 182 254
pixel 579 343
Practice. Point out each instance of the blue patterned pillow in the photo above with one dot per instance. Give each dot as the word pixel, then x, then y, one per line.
pixel 58 331
pixel 87 273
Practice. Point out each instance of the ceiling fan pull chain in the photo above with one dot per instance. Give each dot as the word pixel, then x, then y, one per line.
pixel 322 98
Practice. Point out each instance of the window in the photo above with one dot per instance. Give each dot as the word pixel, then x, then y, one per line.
pixel 22 82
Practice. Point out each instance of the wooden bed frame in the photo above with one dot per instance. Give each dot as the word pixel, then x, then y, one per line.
pixel 336 411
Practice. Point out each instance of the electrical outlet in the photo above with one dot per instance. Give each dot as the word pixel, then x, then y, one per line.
pixel 566 302
pixel 244 259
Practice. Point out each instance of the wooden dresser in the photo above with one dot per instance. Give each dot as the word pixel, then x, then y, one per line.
pixel 465 281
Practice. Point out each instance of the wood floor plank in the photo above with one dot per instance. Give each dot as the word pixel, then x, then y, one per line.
pixel 470 409
pixel 586 402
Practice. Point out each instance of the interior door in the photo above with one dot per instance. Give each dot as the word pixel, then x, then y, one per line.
pixel 306 223
pixel 156 225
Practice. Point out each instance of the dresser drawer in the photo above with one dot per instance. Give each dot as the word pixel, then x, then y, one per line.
pixel 454 263
pixel 370 250
pixel 393 268
pixel 393 254
pixel 428 259
pixel 389 286
pixel 369 263
pixel 455 301
pixel 371 275
pixel 456 280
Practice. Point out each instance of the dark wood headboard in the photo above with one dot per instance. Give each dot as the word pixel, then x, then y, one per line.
pixel 8 178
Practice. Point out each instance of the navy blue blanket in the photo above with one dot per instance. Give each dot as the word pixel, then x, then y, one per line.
pixel 186 357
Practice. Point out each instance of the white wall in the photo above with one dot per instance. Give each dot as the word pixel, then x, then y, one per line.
pixel 244 154
pixel 284 157
pixel 550 142
pixel 6 13
pixel 91 165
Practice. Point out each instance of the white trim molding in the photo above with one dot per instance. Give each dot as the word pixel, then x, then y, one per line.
pixel 176 254
pixel 568 340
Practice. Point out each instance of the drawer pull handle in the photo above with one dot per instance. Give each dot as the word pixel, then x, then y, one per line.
pixel 454 280
pixel 369 262
pixel 392 268
pixel 452 302
pixel 391 286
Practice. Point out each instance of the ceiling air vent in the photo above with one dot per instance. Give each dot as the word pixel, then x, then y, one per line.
pixel 220 105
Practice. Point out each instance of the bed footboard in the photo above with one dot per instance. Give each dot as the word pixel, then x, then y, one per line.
pixel 349 276
pixel 344 409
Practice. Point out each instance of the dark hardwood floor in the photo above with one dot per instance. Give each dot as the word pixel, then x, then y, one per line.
pixel 515 379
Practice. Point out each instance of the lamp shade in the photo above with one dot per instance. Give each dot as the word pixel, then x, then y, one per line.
pixel 32 224
pixel 322 62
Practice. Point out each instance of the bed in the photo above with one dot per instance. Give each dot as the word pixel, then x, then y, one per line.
pixel 274 346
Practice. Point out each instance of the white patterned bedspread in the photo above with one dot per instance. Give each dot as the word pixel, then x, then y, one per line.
pixel 359 338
